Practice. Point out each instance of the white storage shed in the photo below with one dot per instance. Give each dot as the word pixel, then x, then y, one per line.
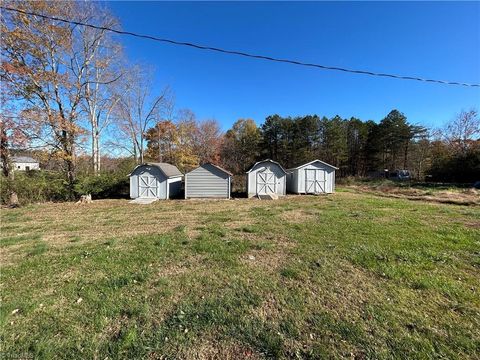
pixel 155 181
pixel 208 181
pixel 266 177
pixel 315 177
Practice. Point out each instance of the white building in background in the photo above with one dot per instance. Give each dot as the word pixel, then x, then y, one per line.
pixel 23 163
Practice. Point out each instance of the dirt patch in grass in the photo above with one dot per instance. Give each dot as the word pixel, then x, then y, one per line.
pixel 193 233
pixel 473 224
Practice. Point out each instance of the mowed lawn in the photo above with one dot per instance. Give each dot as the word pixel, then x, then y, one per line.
pixel 350 275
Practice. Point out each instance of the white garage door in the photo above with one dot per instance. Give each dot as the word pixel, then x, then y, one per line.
pixel 266 182
pixel 147 186
pixel 314 181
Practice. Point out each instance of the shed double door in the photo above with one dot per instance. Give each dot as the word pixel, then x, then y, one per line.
pixel 147 186
pixel 266 182
pixel 314 181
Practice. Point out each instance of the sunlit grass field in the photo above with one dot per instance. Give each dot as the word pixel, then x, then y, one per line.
pixel 349 275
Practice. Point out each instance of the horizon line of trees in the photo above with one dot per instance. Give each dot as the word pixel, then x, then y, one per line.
pixel 358 148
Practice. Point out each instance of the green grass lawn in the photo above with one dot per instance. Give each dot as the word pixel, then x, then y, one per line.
pixel 351 275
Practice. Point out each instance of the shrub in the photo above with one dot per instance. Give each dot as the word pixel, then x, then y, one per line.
pixel 239 183
pixel 42 185
pixel 461 168
pixel 348 180
pixel 35 186
pixel 105 185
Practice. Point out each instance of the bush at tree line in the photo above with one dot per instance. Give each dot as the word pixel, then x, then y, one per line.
pixel 42 186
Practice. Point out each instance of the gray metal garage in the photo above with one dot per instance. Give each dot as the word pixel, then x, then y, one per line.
pixel 155 181
pixel 208 181
pixel 315 177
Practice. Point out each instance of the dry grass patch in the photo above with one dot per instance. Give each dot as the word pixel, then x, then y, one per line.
pixel 269 311
pixel 350 289
pixel 267 252
pixel 60 222
pixel 171 269
pixel 298 216
pixel 457 197
pixel 210 348
pixel 265 260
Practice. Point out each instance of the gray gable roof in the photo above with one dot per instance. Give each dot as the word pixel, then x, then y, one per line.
pixel 168 170
pixel 23 159
pixel 216 167
pixel 221 169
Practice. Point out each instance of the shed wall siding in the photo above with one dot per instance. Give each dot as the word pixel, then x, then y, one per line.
pixel 298 180
pixel 207 182
pixel 133 187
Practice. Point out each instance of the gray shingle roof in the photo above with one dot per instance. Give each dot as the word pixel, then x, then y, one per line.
pixel 23 159
pixel 221 169
pixel 168 169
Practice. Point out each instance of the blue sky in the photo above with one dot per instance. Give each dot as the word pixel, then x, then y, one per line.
pixel 439 40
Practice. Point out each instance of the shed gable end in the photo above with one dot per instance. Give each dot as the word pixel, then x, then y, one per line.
pixel 207 181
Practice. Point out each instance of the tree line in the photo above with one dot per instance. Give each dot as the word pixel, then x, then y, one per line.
pixel 70 92
pixel 358 148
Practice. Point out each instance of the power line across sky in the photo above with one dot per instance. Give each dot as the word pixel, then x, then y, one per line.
pixel 246 54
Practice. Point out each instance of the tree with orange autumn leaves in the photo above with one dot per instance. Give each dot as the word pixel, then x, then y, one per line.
pixel 47 66
pixel 185 143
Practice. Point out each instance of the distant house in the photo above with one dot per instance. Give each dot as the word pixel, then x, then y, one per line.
pixel 266 177
pixel 208 181
pixel 155 181
pixel 25 163
pixel 314 177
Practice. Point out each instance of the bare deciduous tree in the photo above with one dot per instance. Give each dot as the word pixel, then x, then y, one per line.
pixel 137 111
pixel 101 75
pixel 462 130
